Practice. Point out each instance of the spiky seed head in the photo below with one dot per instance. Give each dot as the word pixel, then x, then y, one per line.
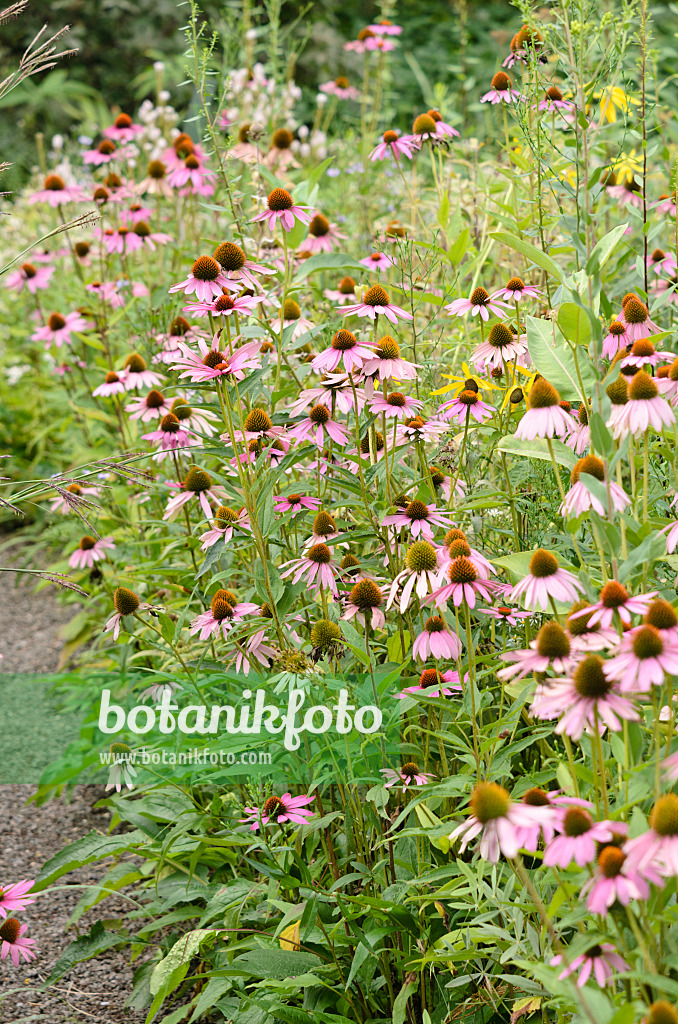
pixel 213 359
pixel 111 377
pixel 319 226
pixel 258 421
pixel 662 1012
pixel 424 125
pixel 647 643
pixel 489 801
pixel 325 634
pixel 320 554
pixel 343 341
pixel 430 677
pixel 499 336
pixel 536 797
pixel 365 594
pixel 376 296
pixel 543 563
pixel 126 601
pixel 388 348
pixel 206 268
pixel 664 817
pixel 54 183
pixel 81 249
pixel 577 822
pixel 417 510
pixel 435 624
pixel 135 363
pixel 390 136
pixel 282 138
pixel 56 322
pixel 554 93
pixel 459 549
pixel 346 286
pixel 542 395
pixel 421 557
pixel 635 312
pixel 319 414
pixel 378 443
pixel 642 387
pixel 156 170
pixel 501 81
pixel 579 625
pixel 613 595
pixel 291 310
pixel 661 615
pixel 589 678
pixel 229 256
pixel 9 930
pixel 591 465
pixel 179 327
pixel 280 199
pixel 618 391
pixel 324 524
pixel 197 480
pixel 350 564
pixel 552 641
pixel 224 516
pixel 437 476
pixel 462 570
pixel 86 543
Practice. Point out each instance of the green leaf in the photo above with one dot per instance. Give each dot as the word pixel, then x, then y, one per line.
pixel 625 1015
pixel 276 963
pixel 538 449
pixel 444 211
pixel 604 248
pixel 178 958
pixel 601 438
pixel 574 323
pixel 530 252
pixel 400 1004
pixel 556 363
pixel 457 251
pixel 328 261
pixel 213 991
pixel 83 851
pixel 84 948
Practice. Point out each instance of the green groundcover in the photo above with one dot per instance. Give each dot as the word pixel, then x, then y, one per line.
pixel 35 729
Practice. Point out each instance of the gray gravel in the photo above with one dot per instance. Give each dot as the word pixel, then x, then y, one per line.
pixel 94 991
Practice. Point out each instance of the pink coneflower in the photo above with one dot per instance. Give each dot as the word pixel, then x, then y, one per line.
pixel 614 880
pixel 121 241
pixel 433 677
pixel 642 660
pixel 545 580
pixel 198 484
pixel 418 518
pixel 209 363
pixel 422 573
pixel 627 193
pixel 237 269
pixel 340 88
pixel 223 305
pixel 193 178
pixel 28 276
pixel 337 385
pixel 316 567
pixel 550 649
pixel 224 612
pixel 344 293
pixel 501 348
pixel 505 614
pixel 168 436
pixel 364 602
pixel 123 129
pixel 126 603
pixel 436 640
pixel 554 100
pixel 205 279
pixel 291 317
pixel 369 42
pixel 256 650
pixel 281 207
pixel 103 154
pixel 375 302
pixel 545 417
pixel 112 385
pixel 658 847
pixel 149 239
pixel 135 373
pixel 547 812
pixel 16 896
pixel 496 819
pixel 418 429
pixel 226 520
pixel 502 90
pixel 662 262
pixel 586 699
pixel 395 405
pixel 515 290
pixel 636 317
pixel 443 130
pixel 615 598
pixel 13 943
pixel 392 145
pixel 424 130
pixel 465 584
pixel 295 503
pixel 58 329
pixel 152 406
pixel 378 261
pixel 467 404
pixel 322 236
pixel 578 835
pixel 107 291
pixel 479 303
pixel 579 499
pixel 345 348
pixel 387 362
pixel 643 353
pixel 645 408
pixel 601 960
pixel 410 774
pixel 385 28
pixel 55 191
pixel 90 551
pixel 318 426
pixel 615 340
pixel 278 810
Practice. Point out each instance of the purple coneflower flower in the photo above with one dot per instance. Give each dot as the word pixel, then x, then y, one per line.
pixel 418 518
pixel 317 425
pixel 601 960
pixel 376 301
pixel 364 601
pixel 465 583
pixel 615 340
pixel 58 329
pixel 544 580
pixel 392 145
pixel 55 192
pixel 635 315
pixel 662 262
pixel 198 484
pixel 614 880
pixel 13 943
pixel 89 551
pixel 206 279
pixel 545 417
pixel 505 614
pixel 28 276
pixel 151 407
pixel 502 90
pixel 586 699
pixel 226 520
pixel 479 303
pixel 467 404
pixel 210 363
pixel 645 408
pixel 578 836
pixel 395 406
pixel 496 819
pixel 615 598
pixel 642 660
pixel 345 348
pixel 16 896
pixel 433 677
pixel 316 567
pixel 436 640
pixel 422 573
pixel 279 809
pixel 112 385
pixel 322 235
pixel 579 499
pixel 387 362
pixel 658 847
pixel 281 207
pixel 224 612
pixel 550 649
pixel 409 774
pixel 515 290
pixel 296 503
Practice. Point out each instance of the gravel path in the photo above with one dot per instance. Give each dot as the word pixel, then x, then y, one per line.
pixel 94 991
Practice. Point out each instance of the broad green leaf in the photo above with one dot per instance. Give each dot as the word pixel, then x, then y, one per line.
pixel 457 251
pixel 83 851
pixel 530 252
pixel 276 963
pixel 604 248
pixel 556 363
pixel 179 956
pixel 328 261
pixel 538 449
pixel 84 948
pixel 444 211
pixel 400 1004
pixel 574 323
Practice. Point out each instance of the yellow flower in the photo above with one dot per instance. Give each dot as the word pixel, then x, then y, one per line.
pixel 627 165
pixel 524 385
pixel 568 174
pixel 613 98
pixel 457 385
